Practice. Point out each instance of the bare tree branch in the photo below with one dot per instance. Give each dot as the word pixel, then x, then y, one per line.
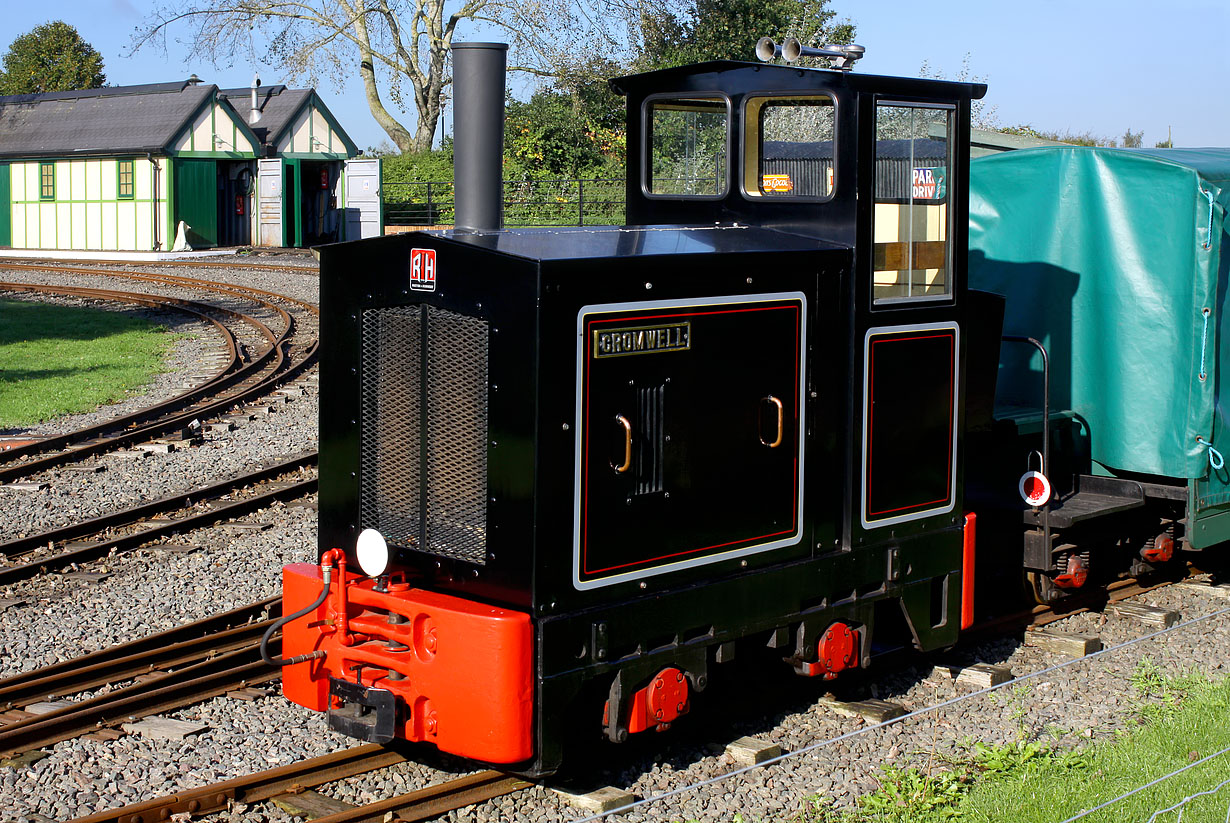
pixel 394 44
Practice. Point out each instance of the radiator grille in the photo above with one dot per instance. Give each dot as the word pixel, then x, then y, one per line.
pixel 423 432
pixel 389 452
pixel 456 493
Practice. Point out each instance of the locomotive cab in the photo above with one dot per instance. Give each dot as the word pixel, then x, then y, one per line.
pixel 565 462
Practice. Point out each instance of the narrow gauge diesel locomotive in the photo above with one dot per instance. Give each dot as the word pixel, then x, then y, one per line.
pixel 566 473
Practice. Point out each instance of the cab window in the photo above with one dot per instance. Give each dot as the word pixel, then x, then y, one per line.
pixel 687 147
pixel 789 147
pixel 912 220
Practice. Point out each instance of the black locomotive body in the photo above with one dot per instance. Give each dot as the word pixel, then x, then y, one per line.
pixel 599 460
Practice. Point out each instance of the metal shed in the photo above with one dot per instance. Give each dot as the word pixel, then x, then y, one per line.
pixel 119 169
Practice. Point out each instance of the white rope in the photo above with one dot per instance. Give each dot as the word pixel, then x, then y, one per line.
pixel 908 716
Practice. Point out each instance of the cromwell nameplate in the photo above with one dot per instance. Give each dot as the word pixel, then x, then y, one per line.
pixel 642 340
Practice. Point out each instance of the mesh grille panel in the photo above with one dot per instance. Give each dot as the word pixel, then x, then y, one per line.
pixel 390 361
pixel 456 487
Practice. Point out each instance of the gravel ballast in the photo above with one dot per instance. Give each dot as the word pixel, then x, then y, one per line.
pixel 151 590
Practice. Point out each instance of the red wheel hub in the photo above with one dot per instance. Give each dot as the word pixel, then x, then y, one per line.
pixel 1161 551
pixel 836 652
pixel 1075 576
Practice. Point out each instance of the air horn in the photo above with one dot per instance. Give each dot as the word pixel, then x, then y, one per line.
pixel 843 56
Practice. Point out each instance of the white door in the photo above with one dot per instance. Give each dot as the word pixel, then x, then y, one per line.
pixel 364 209
pixel 269 201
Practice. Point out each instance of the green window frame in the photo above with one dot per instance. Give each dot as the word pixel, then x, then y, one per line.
pixel 46 181
pixel 125 179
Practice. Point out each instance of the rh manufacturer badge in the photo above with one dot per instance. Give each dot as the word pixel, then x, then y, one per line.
pixel 423 269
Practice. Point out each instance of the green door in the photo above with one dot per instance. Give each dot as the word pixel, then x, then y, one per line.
pixel 6 208
pixel 196 200
pixel 292 204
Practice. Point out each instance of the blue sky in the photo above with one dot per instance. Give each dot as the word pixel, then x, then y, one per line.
pixel 1082 65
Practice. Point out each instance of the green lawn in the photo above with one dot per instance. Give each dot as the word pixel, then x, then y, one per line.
pixel 1181 720
pixel 58 360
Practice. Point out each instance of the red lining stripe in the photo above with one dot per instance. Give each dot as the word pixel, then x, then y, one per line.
pixel 887 338
pixel 796 307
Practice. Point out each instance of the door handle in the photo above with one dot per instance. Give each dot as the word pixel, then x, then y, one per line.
pixel 627 427
pixel 781 430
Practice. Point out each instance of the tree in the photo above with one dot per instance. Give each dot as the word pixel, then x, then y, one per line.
pixel 51 57
pixel 573 126
pixel 391 42
pixel 729 29
pixel 982 116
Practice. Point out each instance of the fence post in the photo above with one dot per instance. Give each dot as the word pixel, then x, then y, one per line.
pixel 429 220
pixel 580 202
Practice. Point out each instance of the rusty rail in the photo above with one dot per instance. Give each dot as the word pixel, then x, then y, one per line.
pixel 180 646
pixel 25 546
pixel 423 804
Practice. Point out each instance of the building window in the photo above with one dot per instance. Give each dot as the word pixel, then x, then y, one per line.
pixel 47 181
pixel 124 178
pixel 913 232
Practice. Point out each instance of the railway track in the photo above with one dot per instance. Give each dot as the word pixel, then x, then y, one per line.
pixel 163 672
pixel 288 781
pixel 235 382
pixel 205 659
pixel 130 528
pixel 187 665
pixel 219 261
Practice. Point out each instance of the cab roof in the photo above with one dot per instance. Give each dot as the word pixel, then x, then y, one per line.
pixel 787 76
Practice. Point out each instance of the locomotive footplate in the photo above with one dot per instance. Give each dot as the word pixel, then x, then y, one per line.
pixel 366 713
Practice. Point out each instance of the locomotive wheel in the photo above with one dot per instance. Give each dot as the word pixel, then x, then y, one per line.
pixel 1033 583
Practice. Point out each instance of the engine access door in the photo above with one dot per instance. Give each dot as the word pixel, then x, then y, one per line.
pixel 689 427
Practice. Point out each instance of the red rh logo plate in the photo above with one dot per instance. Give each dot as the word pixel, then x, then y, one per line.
pixel 423 269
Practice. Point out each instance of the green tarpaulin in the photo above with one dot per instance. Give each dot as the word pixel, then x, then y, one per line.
pixel 1112 258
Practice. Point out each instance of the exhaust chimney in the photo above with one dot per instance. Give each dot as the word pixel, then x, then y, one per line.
pixel 254 116
pixel 478 134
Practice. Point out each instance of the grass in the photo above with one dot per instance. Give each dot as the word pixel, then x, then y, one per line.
pixel 1180 719
pixel 57 360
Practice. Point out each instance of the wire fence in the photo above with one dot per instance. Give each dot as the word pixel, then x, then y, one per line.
pixel 1158 817
pixel 567 202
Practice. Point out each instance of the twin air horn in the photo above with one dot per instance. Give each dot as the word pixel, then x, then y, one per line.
pixel 843 56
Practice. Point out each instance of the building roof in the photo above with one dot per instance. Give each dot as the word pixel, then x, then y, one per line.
pixel 116 120
pixel 278 106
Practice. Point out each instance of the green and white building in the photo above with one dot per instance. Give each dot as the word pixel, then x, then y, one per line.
pixel 130 168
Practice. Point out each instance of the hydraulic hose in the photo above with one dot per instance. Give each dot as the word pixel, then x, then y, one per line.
pixel 327 571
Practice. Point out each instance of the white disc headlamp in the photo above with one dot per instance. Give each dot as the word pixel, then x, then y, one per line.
pixel 372 552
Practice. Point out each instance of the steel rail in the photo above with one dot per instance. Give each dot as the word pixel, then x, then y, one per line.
pixel 1042 615
pixel 183 687
pixel 220 381
pixel 432 801
pixel 155 277
pixel 154 662
pixel 291 779
pixel 173 647
pixel 24 545
pixel 132 540
pixel 154 301
pixel 256 787
pixel 211 262
pixel 250 386
pixel 224 379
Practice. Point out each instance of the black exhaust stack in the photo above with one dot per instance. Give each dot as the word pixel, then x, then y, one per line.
pixel 478 134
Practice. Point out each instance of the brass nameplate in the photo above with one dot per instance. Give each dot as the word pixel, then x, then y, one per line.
pixel 642 340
